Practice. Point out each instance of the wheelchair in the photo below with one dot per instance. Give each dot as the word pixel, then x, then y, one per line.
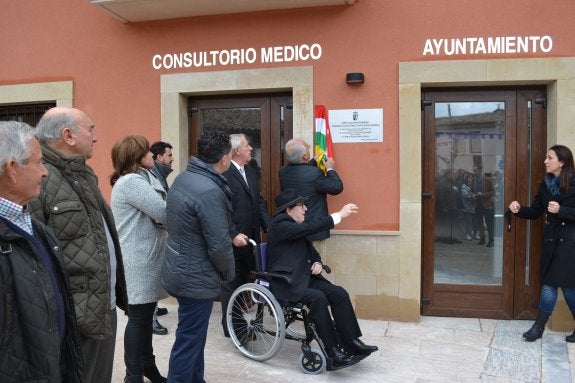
pixel 258 323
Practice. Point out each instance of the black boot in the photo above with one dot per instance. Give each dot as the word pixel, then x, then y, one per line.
pixel 161 311
pixel 152 373
pixel 536 331
pixel 133 379
pixel 158 329
pixel 571 338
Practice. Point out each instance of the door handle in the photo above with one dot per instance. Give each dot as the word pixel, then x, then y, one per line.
pixel 426 195
pixel 508 217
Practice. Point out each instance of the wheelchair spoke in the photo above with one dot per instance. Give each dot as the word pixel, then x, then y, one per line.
pixel 255 321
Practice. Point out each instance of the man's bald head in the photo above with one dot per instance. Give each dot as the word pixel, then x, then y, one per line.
pixel 67 130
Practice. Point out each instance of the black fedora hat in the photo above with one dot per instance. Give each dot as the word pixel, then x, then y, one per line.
pixel 287 198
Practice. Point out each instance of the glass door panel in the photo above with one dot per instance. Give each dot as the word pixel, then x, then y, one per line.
pixel 234 120
pixel 469 165
pixel 482 148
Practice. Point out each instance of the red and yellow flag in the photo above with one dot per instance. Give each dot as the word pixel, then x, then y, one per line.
pixel 323 146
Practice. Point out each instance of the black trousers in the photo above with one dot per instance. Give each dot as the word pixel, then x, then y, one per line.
pixel 489 216
pixel 138 350
pixel 244 262
pixel 344 327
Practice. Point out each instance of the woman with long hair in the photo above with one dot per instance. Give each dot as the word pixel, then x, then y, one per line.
pixel 556 198
pixel 139 207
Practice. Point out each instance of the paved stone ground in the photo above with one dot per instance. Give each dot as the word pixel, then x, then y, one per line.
pixel 436 350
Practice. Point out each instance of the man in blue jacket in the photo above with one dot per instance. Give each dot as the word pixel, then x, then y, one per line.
pixel 199 256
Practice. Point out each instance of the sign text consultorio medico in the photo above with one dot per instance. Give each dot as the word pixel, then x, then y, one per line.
pixel 240 56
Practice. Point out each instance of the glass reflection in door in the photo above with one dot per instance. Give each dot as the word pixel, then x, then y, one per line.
pixel 469 163
pixel 246 120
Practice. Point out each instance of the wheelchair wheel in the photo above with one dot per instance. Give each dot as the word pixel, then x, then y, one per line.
pixel 312 362
pixel 296 330
pixel 255 322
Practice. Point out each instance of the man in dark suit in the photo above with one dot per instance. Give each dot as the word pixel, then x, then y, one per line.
pixel 302 174
pixel 290 252
pixel 249 214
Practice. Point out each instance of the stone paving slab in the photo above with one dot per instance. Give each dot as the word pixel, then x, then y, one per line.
pixel 555 359
pixel 435 350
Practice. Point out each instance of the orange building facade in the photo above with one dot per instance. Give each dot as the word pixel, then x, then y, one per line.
pixel 159 68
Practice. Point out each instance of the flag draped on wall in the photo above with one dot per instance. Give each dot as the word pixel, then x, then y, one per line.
pixel 322 137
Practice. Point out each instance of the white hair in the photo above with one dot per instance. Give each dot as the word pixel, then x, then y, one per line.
pixel 15 139
pixel 236 140
pixel 53 122
pixel 294 151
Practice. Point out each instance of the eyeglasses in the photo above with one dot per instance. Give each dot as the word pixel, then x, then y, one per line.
pixel 300 204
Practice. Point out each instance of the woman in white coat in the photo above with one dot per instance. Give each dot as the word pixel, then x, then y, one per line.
pixel 139 207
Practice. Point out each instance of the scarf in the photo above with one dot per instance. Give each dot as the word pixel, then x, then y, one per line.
pixel 553 184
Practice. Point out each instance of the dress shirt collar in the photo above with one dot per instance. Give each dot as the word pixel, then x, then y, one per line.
pixel 17 214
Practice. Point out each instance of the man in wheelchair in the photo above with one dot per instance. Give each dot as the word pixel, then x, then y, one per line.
pixel 289 252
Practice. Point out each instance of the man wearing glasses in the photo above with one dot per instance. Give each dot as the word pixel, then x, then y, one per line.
pixel 290 252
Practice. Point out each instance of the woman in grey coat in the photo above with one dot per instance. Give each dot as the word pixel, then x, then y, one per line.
pixel 139 207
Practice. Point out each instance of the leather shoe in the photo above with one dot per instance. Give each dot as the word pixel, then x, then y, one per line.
pixel 339 359
pixel 161 311
pixel 158 329
pixel 357 347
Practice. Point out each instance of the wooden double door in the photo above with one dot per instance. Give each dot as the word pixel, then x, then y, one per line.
pixel 265 119
pixel 483 148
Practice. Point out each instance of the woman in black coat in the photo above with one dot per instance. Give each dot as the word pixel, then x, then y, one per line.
pixel 556 198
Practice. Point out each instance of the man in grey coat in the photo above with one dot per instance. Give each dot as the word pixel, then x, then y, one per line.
pixel 199 255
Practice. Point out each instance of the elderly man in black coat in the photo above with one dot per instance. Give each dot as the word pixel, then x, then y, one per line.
pixel 290 252
pixel 302 174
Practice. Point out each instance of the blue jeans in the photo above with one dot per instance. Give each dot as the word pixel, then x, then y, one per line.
pixel 187 357
pixel 549 298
